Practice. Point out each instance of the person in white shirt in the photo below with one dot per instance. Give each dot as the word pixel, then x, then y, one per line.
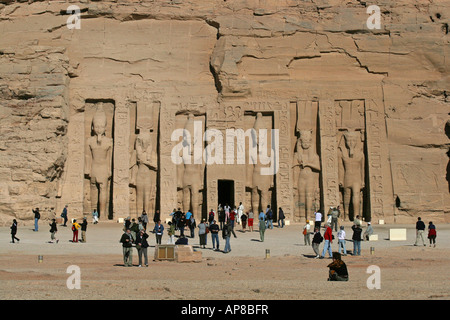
pixel 318 219
pixel 341 240
pixel 240 211
pixel 307 233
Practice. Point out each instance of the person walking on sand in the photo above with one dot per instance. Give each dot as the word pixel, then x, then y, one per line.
pixel 316 241
pixel 64 215
pixel 226 235
pixel 53 231
pixel 341 240
pixel 432 234
pixel 281 217
pixel 328 236
pixel 171 233
pixel 307 233
pixel 420 229
pixel 14 231
pixel 75 228
pixel 244 221
pixel 127 245
pixel 262 225
pixel 141 246
pixel 251 217
pixel 37 216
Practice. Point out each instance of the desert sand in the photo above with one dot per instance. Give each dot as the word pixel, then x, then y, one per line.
pixel 289 273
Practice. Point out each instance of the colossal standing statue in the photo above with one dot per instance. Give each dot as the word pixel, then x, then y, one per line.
pixel 98 157
pixel 351 171
pixel 308 161
pixel 146 160
pixel 260 183
pixel 192 171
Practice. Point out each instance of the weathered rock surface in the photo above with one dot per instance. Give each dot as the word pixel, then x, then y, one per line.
pixel 208 57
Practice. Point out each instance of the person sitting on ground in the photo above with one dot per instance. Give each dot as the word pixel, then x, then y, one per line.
pixel 338 269
pixel 368 232
pixel 182 240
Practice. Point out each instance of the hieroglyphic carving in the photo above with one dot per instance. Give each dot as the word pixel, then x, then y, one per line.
pixel 121 164
pixel 306 161
pixel 329 153
pixel 374 125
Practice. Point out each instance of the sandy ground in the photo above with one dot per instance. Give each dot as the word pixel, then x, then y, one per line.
pixel 290 273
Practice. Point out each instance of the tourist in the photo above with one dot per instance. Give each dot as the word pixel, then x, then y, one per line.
pixel 83 230
pixel 356 239
pixel 432 233
pixel 328 236
pixel 65 217
pixel 171 233
pixel 182 224
pixel 316 241
pixel 269 215
pixel 75 228
pixel 14 231
pixel 127 244
pixel 134 228
pixel 318 219
pixel 240 212
pixel 53 231
pixel 226 235
pixel 158 230
pixel 214 228
pixel 144 218
pixel 357 221
pixel 202 233
pixel 126 224
pixel 141 246
pixel 177 216
pixel 188 215
pixel 341 240
pixel 334 218
pixel 420 229
pixel 262 225
pixel 37 216
pixel 95 217
pixel 244 221
pixel 192 225
pixel 307 233
pixel 368 232
pixel 182 240
pixel 281 217
pixel 211 215
pixel 251 217
pixel 338 269
pixel 156 217
pixel 227 209
pixel 221 214
pixel 232 217
pixel 329 216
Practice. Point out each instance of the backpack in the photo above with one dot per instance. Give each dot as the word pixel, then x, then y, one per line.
pixel 269 214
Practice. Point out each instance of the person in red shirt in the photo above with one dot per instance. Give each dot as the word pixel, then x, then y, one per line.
pixel 232 219
pixel 328 236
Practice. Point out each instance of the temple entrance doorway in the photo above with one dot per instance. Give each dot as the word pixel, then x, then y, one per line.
pixel 226 192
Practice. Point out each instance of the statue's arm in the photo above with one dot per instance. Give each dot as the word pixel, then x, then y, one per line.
pixel 87 159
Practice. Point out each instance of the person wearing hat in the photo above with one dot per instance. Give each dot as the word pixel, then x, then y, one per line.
pixel 368 232
pixel 202 233
pixel 307 233
pixel 75 228
pixel 341 240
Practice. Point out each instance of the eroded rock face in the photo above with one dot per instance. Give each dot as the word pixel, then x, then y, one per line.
pixel 304 66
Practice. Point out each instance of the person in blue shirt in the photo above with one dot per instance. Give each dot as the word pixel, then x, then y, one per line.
pixel 188 215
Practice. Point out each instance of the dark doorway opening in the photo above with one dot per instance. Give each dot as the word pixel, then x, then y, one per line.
pixel 226 192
